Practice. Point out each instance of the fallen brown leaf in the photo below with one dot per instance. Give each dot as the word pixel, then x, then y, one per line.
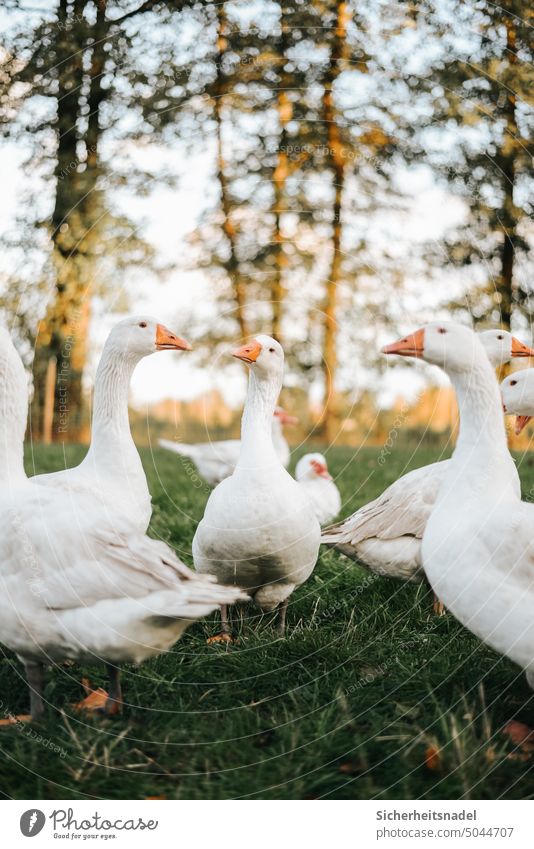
pixel 94 700
pixel 432 758
pixel 520 735
pixel 352 767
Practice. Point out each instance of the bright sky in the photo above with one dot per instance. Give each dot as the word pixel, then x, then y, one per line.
pixel 165 218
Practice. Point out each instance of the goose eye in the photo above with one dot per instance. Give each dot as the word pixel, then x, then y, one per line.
pixel 500 338
pixel 513 382
pixel 142 324
pixel 271 350
pixel 441 330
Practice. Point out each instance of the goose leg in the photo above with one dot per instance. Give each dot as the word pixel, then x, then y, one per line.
pixel 282 610
pixel 35 679
pixel 438 607
pixel 224 636
pixel 114 700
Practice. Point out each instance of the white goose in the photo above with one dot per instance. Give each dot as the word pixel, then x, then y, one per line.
pixel 478 549
pixel 112 470
pixel 517 391
pixel 216 461
pixel 385 535
pixel 74 585
pixel 313 476
pixel 259 530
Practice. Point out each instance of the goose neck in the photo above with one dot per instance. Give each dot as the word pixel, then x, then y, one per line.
pixel 257 422
pixel 482 434
pixel 110 401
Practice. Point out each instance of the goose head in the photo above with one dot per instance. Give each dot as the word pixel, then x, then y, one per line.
pixel 312 466
pixel 435 343
pixel 140 335
pixel 500 347
pixel 264 356
pixel 281 417
pixel 451 346
pixel 517 391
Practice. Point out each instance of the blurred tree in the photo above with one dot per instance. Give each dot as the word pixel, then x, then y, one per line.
pixel 481 84
pixel 336 163
pixel 295 105
pixel 56 78
pixel 219 90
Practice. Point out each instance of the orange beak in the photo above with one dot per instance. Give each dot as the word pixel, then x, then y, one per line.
pixel 520 350
pixel 285 418
pixel 321 470
pixel 167 341
pixel 410 346
pixel 520 423
pixel 248 353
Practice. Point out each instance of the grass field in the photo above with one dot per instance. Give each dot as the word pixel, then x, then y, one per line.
pixel 368 696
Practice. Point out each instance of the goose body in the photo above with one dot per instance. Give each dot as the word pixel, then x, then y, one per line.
pixel 90 588
pixel 385 535
pixel 216 461
pixel 76 584
pixel 112 470
pixel 259 530
pixel 314 478
pixel 477 547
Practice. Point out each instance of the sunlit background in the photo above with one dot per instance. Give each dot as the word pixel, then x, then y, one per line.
pixel 332 173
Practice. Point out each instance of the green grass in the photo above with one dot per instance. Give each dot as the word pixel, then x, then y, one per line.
pixel 345 707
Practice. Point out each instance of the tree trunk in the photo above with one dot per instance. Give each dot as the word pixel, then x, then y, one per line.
pixel 285 111
pixel 336 163
pixel 504 286
pixel 505 281
pixel 63 332
pixel 232 262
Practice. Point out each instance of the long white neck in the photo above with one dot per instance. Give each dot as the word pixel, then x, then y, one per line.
pixel 481 451
pixel 111 435
pixel 13 415
pixel 257 448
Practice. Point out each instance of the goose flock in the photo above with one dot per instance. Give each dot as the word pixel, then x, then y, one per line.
pixel 82 581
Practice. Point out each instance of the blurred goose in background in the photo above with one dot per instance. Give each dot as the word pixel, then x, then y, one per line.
pixel 73 584
pixel 258 530
pixel 478 549
pixel 385 535
pixel 314 478
pixel 112 470
pixel 517 391
pixel 216 461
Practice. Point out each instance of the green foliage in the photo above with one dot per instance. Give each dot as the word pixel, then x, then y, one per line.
pixel 479 82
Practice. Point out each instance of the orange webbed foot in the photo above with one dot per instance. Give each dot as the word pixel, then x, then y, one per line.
pixel 95 700
pixel 15 719
pixel 223 637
